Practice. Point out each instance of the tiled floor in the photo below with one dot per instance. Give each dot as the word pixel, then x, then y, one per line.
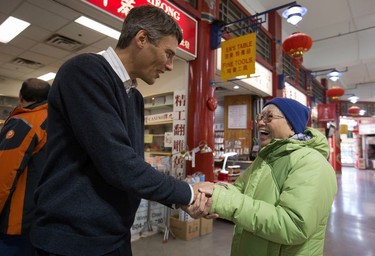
pixel 350 232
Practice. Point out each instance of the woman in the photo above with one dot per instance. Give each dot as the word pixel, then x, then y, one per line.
pixel 281 203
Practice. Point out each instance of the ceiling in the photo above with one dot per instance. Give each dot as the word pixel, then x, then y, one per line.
pixel 343 32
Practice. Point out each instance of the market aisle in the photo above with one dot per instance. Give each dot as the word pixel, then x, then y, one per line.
pixel 216 243
pixel 351 228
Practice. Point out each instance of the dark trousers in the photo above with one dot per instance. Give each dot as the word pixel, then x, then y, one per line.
pixel 15 245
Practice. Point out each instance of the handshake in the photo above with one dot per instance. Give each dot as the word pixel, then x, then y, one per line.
pixel 202 201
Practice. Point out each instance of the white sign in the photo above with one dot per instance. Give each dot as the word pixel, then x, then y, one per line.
pixel 237 117
pixel 292 93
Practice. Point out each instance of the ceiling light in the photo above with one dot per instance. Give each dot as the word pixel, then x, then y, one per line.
pixel 236 87
pixel 294 14
pixel 48 76
pixel 98 27
pixel 353 99
pixel 10 28
pixel 334 75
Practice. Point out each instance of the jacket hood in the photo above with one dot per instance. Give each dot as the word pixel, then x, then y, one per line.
pixel 318 141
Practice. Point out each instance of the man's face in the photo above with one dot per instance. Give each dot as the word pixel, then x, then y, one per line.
pixel 155 60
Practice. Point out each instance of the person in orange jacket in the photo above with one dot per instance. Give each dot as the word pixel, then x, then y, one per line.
pixel 22 157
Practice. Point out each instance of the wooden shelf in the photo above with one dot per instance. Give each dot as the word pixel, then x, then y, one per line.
pixel 159 106
pixel 160 153
pixel 160 123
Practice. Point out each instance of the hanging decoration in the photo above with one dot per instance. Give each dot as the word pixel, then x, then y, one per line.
pixel 354 110
pixel 296 45
pixel 212 103
pixel 335 92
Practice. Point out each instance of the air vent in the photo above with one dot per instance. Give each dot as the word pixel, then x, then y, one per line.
pixel 27 63
pixel 64 43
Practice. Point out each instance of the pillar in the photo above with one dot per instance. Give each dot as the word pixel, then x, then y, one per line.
pixel 274 27
pixel 201 75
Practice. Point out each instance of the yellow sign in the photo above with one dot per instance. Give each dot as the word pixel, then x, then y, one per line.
pixel 238 56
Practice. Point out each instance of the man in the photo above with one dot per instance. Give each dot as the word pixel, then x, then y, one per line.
pixel 281 203
pixel 95 175
pixel 22 157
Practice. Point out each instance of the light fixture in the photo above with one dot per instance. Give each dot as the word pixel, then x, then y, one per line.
pixel 353 99
pixel 47 77
pixel 334 75
pixel 226 155
pixel 10 28
pixel 98 27
pixel 294 14
pixel 254 22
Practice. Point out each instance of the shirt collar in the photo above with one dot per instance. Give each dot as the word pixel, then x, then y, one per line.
pixel 116 64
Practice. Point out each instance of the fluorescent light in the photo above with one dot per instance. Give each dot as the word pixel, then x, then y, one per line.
pixel 10 28
pixel 48 76
pixel 98 27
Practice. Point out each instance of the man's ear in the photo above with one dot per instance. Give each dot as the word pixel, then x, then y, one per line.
pixel 141 38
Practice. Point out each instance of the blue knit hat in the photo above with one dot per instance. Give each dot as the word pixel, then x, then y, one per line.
pixel 296 113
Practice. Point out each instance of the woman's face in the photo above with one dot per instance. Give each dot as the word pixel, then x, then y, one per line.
pixel 272 124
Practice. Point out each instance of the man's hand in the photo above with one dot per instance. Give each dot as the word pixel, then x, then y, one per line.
pixel 200 207
pixel 205 187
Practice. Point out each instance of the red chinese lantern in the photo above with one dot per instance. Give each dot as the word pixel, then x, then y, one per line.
pixel 354 110
pixel 335 92
pixel 296 45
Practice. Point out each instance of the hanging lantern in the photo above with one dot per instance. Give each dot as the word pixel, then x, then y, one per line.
pixel 335 92
pixel 354 110
pixel 296 45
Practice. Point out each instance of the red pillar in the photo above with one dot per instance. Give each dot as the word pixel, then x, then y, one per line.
pixel 335 140
pixel 274 27
pixel 200 118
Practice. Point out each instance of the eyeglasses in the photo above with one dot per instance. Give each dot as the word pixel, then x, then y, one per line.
pixel 267 117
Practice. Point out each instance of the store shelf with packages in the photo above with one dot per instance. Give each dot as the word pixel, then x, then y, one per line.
pixel 164 137
pixel 158 125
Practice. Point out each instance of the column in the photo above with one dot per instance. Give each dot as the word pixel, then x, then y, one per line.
pixel 201 74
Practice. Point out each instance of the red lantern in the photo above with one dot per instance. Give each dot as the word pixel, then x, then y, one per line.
pixel 354 110
pixel 335 92
pixel 296 45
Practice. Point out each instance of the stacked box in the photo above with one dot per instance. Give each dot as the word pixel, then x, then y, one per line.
pixel 185 230
pixel 206 226
pixel 183 216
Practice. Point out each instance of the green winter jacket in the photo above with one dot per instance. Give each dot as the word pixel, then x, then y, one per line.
pixel 280 204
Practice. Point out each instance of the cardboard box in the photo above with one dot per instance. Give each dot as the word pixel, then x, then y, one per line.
pixel 206 226
pixel 185 230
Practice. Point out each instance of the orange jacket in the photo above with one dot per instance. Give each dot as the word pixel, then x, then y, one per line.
pixel 21 162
